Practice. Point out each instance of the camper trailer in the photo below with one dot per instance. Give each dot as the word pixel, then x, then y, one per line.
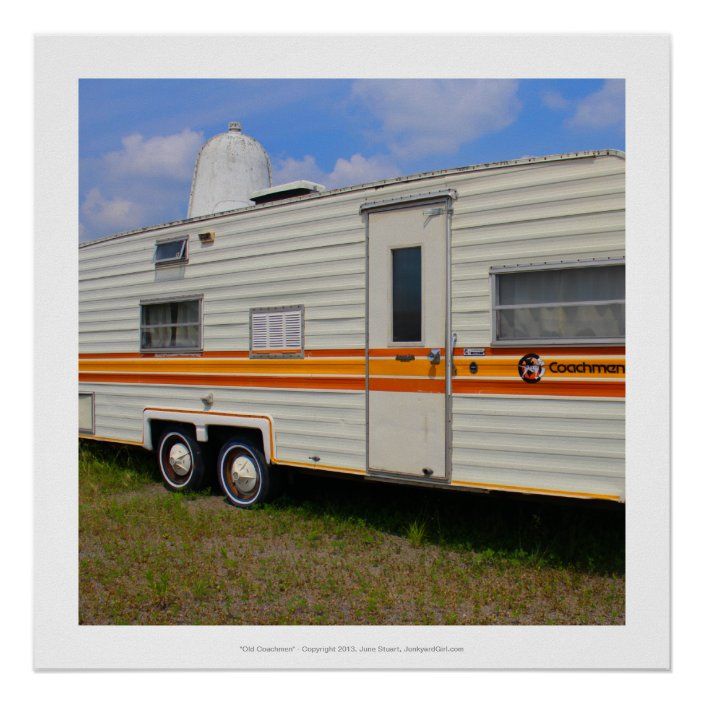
pixel 462 328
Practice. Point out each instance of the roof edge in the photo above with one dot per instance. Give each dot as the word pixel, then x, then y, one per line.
pixel 362 186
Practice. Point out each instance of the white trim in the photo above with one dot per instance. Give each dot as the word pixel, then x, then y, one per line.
pixel 202 419
pixel 408 200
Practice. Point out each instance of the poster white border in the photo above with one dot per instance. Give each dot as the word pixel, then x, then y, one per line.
pixel 644 642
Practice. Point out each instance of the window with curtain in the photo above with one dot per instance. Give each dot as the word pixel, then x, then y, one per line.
pixel 171 326
pixel 579 303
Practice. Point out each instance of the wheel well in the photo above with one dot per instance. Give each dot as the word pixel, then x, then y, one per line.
pixel 159 426
pixel 217 434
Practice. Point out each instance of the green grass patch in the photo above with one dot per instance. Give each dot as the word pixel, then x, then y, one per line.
pixel 335 551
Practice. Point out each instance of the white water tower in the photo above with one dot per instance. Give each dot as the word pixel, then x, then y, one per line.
pixel 229 168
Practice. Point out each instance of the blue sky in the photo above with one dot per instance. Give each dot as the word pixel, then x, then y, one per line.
pixel 139 138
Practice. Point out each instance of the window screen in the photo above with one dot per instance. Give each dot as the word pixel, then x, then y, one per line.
pixel 572 304
pixel 171 326
pixel 406 294
pixel 276 331
pixel 169 252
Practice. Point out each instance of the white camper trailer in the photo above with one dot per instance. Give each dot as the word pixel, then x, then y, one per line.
pixel 462 328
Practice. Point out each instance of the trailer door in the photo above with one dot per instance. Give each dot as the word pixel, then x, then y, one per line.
pixel 407 335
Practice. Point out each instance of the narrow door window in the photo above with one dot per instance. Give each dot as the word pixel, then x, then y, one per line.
pixel 406 294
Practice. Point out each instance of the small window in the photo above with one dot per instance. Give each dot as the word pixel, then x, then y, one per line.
pixel 406 295
pixel 171 252
pixel 580 303
pixel 171 326
pixel 86 413
pixel 276 332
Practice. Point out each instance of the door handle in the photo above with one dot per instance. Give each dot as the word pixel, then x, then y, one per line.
pixel 434 356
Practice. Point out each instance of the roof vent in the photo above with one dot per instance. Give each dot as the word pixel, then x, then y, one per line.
pixel 229 167
pixel 286 190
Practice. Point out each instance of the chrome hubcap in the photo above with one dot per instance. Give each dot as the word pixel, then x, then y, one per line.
pixel 243 474
pixel 180 459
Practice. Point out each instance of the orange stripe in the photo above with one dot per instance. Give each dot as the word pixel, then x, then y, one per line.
pixel 344 369
pixel 284 382
pixel 502 368
pixel 417 385
pixel 545 387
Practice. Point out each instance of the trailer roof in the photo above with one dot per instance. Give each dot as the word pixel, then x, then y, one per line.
pixel 363 186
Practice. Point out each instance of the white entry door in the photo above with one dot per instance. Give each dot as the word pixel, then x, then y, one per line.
pixel 406 341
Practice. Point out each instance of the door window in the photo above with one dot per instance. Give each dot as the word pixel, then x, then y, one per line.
pixel 406 294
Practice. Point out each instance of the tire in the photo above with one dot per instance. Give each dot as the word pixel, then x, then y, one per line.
pixel 180 460
pixel 244 475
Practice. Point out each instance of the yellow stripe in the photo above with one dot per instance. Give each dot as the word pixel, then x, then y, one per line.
pixel 534 490
pixel 327 468
pixel 115 440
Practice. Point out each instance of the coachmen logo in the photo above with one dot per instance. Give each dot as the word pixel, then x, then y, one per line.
pixel 531 368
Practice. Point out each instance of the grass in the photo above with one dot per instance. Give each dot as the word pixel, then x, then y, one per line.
pixel 336 551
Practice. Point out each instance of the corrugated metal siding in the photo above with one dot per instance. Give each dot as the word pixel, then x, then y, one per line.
pixel 548 212
pixel 558 444
pixel 312 254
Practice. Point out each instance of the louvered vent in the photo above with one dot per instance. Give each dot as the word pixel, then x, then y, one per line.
pixel 277 331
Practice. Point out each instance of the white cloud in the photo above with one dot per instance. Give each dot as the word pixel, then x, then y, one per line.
pixel 346 172
pixel 604 108
pixel 424 117
pixel 107 215
pixel 290 169
pixel 171 156
pixel 554 100
pixel 359 169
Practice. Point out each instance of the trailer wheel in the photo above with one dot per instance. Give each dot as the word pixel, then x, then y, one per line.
pixel 180 460
pixel 244 474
